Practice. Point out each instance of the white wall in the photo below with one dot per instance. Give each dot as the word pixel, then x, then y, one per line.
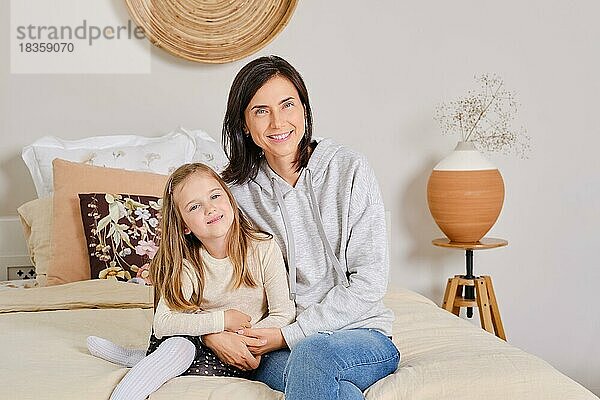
pixel 375 71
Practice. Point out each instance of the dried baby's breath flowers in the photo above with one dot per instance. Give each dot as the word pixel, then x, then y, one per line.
pixel 485 117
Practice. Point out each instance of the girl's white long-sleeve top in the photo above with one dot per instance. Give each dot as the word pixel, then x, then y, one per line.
pixel 268 304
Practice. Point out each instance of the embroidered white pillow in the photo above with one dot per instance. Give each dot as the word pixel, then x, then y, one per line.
pixel 208 150
pixel 159 155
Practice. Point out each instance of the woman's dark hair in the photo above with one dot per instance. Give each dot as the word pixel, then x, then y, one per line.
pixel 245 156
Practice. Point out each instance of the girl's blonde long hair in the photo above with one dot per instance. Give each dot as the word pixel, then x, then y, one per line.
pixel 175 246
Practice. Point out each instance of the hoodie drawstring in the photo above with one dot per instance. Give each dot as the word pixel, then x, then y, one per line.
pixel 291 244
pixel 317 215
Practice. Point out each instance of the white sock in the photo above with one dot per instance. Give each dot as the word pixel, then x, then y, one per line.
pixel 171 359
pixel 114 353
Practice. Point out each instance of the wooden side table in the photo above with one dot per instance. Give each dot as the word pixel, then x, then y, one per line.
pixel 485 300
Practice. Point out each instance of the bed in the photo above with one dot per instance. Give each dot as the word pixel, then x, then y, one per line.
pixel 43 329
pixel 44 356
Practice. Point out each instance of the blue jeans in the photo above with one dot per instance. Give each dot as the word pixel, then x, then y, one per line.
pixel 330 366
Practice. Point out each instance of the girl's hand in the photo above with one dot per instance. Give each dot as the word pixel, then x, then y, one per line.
pixel 271 339
pixel 232 349
pixel 236 320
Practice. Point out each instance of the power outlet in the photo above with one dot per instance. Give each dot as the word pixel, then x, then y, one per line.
pixel 23 272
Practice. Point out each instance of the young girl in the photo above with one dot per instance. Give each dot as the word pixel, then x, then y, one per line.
pixel 213 272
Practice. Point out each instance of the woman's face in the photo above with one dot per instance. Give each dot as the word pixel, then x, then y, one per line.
pixel 275 119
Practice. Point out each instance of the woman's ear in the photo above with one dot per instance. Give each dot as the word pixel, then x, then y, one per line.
pixel 186 231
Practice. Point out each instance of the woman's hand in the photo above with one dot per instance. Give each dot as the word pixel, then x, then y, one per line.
pixel 271 339
pixel 236 320
pixel 232 349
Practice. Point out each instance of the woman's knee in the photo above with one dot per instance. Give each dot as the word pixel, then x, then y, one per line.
pixel 316 350
pixel 343 349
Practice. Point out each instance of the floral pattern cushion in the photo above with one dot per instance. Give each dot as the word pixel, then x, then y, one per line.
pixel 122 233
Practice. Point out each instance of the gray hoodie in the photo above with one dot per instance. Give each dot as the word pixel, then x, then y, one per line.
pixel 331 229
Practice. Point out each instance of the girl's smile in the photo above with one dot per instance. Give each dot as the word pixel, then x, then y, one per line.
pixel 215 220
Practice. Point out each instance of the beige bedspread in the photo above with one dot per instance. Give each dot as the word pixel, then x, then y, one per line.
pixel 43 353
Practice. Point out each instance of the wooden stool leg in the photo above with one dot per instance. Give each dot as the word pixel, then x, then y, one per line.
pixel 496 320
pixel 459 295
pixel 483 304
pixel 450 295
pixel 446 293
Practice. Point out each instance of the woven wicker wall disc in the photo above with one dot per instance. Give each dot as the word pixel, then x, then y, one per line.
pixel 211 31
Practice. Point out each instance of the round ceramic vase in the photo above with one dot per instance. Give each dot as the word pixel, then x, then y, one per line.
pixel 465 193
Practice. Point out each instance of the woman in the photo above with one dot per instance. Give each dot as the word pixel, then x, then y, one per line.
pixel 322 203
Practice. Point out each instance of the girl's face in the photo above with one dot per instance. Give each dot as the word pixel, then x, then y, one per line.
pixel 204 207
pixel 275 119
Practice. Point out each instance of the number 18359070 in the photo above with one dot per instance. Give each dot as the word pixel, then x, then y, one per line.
pixel 46 47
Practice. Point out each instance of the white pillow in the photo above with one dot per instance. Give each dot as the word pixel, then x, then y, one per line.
pixel 131 152
pixel 137 153
pixel 208 151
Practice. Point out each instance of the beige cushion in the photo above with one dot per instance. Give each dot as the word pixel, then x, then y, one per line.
pixel 36 218
pixel 69 261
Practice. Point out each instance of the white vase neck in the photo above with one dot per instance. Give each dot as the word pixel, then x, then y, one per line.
pixel 465 146
pixel 465 157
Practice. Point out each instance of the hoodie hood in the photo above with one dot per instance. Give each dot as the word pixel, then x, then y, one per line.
pixel 319 160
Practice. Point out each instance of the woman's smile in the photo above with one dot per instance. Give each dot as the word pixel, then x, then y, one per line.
pixel 282 137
